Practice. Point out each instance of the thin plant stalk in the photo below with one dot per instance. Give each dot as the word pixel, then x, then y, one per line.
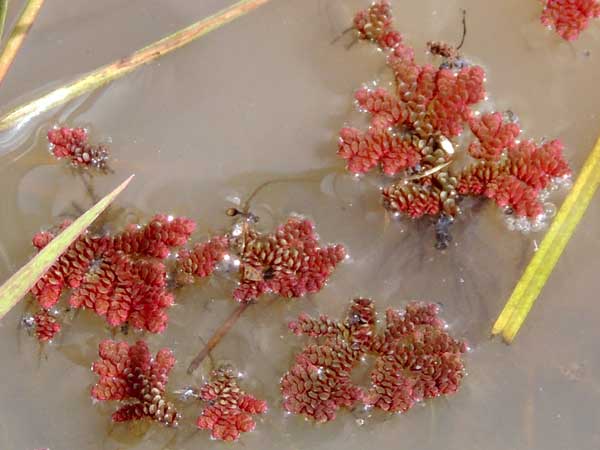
pixel 105 74
pixel 217 336
pixel 17 286
pixel 542 264
pixel 3 11
pixel 18 35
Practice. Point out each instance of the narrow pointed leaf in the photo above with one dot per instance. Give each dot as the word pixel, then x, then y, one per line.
pixel 3 10
pixel 17 286
pixel 18 35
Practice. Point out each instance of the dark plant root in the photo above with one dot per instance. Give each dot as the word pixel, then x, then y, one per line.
pixel 352 43
pixel 442 232
pixel 86 180
pixel 170 442
pixel 464 33
pixel 41 355
pixel 219 334
pixel 187 439
pixel 341 35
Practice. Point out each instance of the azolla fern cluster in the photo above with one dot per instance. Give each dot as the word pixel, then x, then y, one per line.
pixel 569 17
pixel 121 278
pixel 124 278
pixel 415 359
pixel 130 278
pixel 414 130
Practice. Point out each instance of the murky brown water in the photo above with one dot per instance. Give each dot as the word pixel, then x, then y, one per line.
pixel 261 99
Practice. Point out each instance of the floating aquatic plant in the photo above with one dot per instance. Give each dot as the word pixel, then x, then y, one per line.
pixel 416 359
pixel 131 375
pixel 119 277
pixel 569 17
pixel 230 410
pixel 414 129
pixel 46 326
pixel 289 262
pixel 72 144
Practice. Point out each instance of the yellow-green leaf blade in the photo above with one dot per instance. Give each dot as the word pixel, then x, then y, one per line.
pixel 17 286
pixel 3 10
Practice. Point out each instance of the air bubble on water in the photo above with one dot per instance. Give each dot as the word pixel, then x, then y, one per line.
pixel 228 264
pixel 187 393
pixel 510 223
pixel 362 414
pixel 523 225
pixel 327 185
pixel 566 182
pixel 543 195
pixel 237 229
pixel 538 225
pixel 549 210
pixel 28 320
pixel 234 199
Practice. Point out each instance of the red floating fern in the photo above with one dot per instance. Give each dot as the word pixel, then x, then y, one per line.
pixel 569 17
pixel 412 128
pixel 72 143
pixel 516 181
pixel 289 262
pixel 118 277
pixel 230 409
pixel 46 326
pixel 494 136
pixel 129 374
pixel 416 359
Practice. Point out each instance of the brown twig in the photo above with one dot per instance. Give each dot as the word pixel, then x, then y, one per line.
pixel 217 336
pixel 123 66
pixel 18 35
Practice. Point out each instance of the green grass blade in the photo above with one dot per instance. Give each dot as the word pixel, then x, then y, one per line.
pixel 17 286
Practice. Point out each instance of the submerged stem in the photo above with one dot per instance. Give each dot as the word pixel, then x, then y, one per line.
pixel 314 175
pixel 19 33
pixel 88 187
pixel 217 336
